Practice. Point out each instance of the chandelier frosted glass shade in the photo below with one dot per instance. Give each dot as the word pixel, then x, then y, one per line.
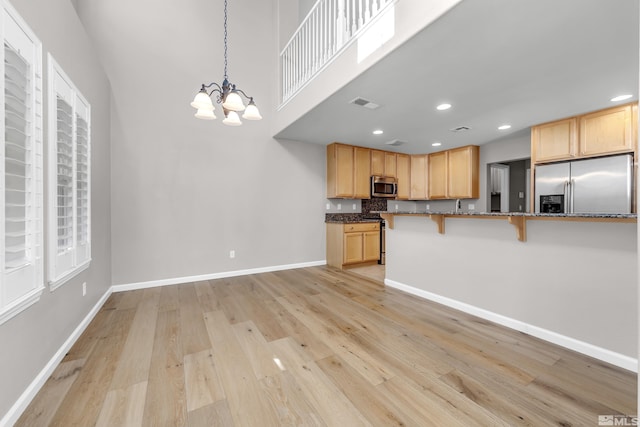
pixel 233 102
pixel 205 114
pixel 252 113
pixel 202 101
pixel 232 119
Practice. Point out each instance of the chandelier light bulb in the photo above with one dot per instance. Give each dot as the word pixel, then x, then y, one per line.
pixel 233 102
pixel 252 113
pixel 205 114
pixel 202 101
pixel 232 119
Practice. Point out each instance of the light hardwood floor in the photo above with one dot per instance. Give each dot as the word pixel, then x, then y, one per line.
pixel 317 347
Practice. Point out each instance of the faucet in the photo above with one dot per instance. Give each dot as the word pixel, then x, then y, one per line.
pixel 458 205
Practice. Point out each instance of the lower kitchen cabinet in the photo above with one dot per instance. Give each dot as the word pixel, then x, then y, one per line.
pixel 350 244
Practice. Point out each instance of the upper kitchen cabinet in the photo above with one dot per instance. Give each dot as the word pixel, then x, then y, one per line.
pixel 438 175
pixel 609 131
pixel 554 141
pixel 454 174
pixel 463 166
pixel 377 163
pixel 418 167
pixel 383 163
pixel 348 171
pixel 390 164
pixel 403 175
pixel 362 173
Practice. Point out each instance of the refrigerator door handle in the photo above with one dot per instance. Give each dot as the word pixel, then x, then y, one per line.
pixel 567 195
pixel 572 186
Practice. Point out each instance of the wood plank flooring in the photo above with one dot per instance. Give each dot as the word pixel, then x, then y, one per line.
pixel 315 347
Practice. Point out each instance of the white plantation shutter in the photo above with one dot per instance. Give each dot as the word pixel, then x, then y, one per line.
pixel 64 184
pixel 21 281
pixel 83 174
pixel 70 208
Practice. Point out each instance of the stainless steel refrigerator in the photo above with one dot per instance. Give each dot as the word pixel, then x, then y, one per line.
pixel 601 185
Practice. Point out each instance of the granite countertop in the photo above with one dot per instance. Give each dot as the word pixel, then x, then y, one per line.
pixel 351 218
pixel 523 214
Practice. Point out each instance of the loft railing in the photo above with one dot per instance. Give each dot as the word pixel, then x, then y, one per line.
pixel 328 28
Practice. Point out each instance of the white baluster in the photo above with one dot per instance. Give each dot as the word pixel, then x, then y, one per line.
pixel 341 25
pixel 367 12
pixel 360 16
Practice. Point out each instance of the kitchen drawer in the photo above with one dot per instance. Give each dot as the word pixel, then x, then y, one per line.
pixel 360 227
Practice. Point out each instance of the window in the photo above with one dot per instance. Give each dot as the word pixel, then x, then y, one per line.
pixel 21 274
pixel 69 178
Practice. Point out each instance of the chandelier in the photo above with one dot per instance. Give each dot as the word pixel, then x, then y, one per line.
pixel 228 96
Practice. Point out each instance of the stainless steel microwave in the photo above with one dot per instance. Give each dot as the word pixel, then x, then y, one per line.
pixel 384 186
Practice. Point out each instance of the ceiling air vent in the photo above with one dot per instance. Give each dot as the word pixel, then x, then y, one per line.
pixel 364 103
pixel 395 142
pixel 460 129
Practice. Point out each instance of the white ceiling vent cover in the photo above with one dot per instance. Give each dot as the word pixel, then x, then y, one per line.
pixel 395 142
pixel 460 129
pixel 364 103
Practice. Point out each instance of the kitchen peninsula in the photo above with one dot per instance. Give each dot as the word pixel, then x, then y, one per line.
pixel 572 283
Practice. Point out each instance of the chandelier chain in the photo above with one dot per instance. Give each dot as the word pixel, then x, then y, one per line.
pixel 225 39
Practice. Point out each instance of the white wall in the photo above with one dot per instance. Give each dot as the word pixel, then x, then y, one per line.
pixel 186 191
pixel 577 279
pixel 30 339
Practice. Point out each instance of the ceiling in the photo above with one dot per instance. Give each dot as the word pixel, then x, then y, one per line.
pixel 497 62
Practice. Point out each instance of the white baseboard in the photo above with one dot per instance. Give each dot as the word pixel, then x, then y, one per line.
pixel 12 416
pixel 600 353
pixel 212 276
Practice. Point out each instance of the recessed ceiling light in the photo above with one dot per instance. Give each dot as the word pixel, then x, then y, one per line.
pixel 620 98
pixel 436 144
pixel 503 127
pixel 443 107
pixel 378 132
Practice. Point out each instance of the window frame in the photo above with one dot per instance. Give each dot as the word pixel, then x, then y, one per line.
pixel 31 274
pixel 66 264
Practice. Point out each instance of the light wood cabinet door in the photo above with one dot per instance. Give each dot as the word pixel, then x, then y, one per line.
pixel 362 173
pixel 554 141
pixel 353 249
pixel 462 173
pixel 418 168
pixel 437 172
pixel 607 131
pixel 403 172
pixel 390 164
pixel 377 163
pixel 340 175
pixel 371 246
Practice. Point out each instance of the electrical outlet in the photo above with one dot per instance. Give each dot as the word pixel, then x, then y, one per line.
pixel 396 207
pixel 328 206
pixel 521 194
pixel 339 206
pixel 232 254
pixel 84 289
pixel 428 206
pixel 354 206
pixel 472 206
